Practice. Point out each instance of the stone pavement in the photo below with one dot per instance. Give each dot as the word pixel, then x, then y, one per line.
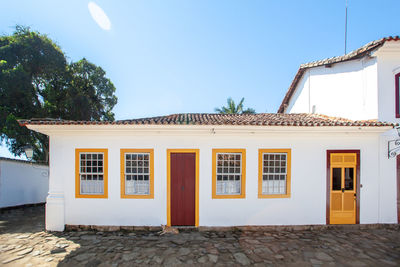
pixel 23 242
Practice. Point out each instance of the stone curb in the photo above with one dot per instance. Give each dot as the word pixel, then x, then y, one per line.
pixel 104 228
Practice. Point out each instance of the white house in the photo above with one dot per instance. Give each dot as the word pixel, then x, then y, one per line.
pixel 22 182
pixel 219 170
pixel 361 85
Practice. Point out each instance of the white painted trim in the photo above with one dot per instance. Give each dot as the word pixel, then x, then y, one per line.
pixel 396 70
pixel 196 129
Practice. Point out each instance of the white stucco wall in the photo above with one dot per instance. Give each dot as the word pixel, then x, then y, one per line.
pixel 357 89
pixel 22 183
pixel 307 204
pixel 300 101
pixel 347 89
pixel 388 66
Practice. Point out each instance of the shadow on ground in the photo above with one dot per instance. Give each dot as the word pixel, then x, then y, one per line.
pixel 23 242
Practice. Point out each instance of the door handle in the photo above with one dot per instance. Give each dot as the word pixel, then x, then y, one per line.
pixel 182 188
pixel 342 190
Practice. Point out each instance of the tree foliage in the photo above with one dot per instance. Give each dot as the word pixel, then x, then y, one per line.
pixel 232 108
pixel 37 81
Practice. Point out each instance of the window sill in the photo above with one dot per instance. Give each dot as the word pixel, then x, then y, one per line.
pixel 228 196
pixel 90 196
pixel 137 196
pixel 274 196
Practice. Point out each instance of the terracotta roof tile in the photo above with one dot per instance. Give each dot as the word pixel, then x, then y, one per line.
pixel 358 53
pixel 261 119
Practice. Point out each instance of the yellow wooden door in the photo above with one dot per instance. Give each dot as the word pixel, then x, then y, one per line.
pixel 343 197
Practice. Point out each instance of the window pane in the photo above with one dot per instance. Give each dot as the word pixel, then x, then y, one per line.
pixel 228 173
pixel 274 173
pixel 91 170
pixel 336 178
pixel 349 178
pixel 138 164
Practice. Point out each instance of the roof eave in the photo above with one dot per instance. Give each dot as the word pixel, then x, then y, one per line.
pixel 197 129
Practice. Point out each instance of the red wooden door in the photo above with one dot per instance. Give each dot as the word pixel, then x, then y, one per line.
pixel 183 171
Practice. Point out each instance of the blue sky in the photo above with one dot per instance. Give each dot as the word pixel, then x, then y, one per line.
pixel 169 56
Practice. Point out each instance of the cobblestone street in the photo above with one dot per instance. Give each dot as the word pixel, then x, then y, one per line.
pixel 23 242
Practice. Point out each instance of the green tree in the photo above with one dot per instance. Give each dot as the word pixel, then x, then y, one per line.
pixel 89 88
pixel 232 108
pixel 36 81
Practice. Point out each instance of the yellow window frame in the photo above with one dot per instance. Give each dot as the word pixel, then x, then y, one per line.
pixel 288 172
pixel 77 176
pixel 214 173
pixel 151 168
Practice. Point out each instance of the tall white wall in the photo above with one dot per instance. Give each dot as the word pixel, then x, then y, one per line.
pixel 307 204
pixel 22 183
pixel 347 89
pixel 300 101
pixel 388 67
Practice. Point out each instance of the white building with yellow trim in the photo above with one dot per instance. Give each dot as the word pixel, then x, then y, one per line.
pixel 219 170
